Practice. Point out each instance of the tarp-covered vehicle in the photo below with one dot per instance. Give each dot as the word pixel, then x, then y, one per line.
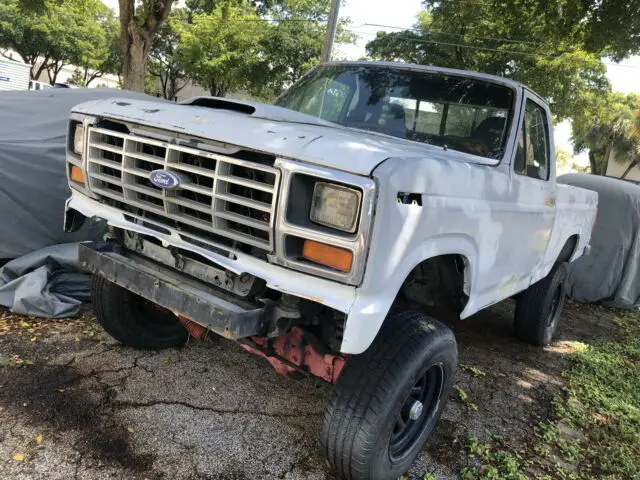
pixel 43 280
pixel 611 274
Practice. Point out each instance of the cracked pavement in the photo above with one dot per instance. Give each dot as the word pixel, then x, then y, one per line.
pixel 74 404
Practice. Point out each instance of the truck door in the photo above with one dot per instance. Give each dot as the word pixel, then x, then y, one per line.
pixel 533 188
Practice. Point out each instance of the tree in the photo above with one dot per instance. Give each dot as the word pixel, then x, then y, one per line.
pixel 606 128
pixel 77 79
pixel 138 28
pixel 105 57
pixel 292 43
pixel 291 34
pixel 165 58
pixel 527 41
pixel 564 160
pixel 53 34
pixel 220 50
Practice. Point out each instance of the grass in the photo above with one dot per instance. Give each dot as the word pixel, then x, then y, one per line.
pixel 594 431
pixel 464 398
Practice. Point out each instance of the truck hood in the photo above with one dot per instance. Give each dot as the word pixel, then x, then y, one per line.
pixel 271 129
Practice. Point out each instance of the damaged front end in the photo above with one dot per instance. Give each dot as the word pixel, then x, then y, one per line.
pixel 293 333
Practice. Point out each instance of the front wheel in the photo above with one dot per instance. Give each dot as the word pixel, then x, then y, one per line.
pixel 538 308
pixel 388 400
pixel 133 320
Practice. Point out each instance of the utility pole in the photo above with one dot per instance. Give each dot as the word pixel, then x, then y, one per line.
pixel 331 31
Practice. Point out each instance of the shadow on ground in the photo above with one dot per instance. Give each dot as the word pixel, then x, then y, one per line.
pixel 215 411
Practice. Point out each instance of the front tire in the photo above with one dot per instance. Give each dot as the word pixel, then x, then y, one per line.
pixel 133 320
pixel 538 309
pixel 388 400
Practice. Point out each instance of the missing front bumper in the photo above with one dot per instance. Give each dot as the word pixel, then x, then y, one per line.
pixel 216 310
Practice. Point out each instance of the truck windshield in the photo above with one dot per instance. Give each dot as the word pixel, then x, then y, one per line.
pixel 458 112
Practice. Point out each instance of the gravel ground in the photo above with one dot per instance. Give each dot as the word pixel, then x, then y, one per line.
pixel 76 405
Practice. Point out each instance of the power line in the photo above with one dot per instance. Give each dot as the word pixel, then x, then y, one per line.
pixel 436 32
pixel 278 20
pixel 488 49
pixel 474 47
pixel 462 2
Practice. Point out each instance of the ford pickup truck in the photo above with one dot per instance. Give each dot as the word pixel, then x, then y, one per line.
pixel 317 231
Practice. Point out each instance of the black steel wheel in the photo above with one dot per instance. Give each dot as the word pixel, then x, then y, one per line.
pixel 417 411
pixel 388 400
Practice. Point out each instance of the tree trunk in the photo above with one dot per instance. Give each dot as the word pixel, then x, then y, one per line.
pixel 37 71
pixel 136 51
pixel 593 162
pixel 607 157
pixel 92 77
pixel 175 87
pixel 164 80
pixel 137 38
pixel 54 69
pixel 633 163
pixel 218 89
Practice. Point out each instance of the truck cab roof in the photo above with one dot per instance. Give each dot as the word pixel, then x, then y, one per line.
pixel 435 69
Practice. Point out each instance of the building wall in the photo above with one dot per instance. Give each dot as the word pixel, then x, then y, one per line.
pixel 616 169
pixel 14 75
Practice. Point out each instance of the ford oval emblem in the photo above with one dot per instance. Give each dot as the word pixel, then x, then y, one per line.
pixel 165 179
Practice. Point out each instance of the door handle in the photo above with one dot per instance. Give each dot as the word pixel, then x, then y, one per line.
pixel 550 202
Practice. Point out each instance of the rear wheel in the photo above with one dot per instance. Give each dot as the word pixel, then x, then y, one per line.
pixel 133 320
pixel 388 400
pixel 539 308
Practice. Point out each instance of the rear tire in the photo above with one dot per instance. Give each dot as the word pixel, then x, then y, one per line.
pixel 388 400
pixel 539 308
pixel 133 320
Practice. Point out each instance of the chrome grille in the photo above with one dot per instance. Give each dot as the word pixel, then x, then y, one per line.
pixel 223 198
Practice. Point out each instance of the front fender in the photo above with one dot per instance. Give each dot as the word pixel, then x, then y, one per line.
pixel 375 298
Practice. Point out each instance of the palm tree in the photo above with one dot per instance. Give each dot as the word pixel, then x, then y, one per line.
pixel 606 129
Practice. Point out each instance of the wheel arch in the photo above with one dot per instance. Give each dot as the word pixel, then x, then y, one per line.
pixel 568 250
pixel 441 281
pixel 373 302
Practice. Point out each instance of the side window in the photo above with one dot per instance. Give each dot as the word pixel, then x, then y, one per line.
pixel 532 153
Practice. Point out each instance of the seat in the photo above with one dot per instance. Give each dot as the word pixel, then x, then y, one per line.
pixel 490 131
pixel 387 117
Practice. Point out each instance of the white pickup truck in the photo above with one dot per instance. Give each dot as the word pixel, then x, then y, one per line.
pixel 314 231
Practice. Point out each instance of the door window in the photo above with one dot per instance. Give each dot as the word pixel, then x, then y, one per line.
pixel 532 153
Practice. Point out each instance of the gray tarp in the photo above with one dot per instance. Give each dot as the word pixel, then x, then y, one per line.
pixel 45 283
pixel 611 274
pixel 33 191
pixel 33 184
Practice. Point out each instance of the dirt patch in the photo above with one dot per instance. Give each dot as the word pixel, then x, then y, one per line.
pixel 215 411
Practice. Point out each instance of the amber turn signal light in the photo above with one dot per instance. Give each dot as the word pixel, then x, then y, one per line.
pixel 327 255
pixel 77 175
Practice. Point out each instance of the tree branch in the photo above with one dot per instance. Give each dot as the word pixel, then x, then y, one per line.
pixel 44 65
pixel 94 76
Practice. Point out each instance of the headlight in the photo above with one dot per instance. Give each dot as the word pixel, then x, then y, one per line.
pixel 335 206
pixel 78 139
